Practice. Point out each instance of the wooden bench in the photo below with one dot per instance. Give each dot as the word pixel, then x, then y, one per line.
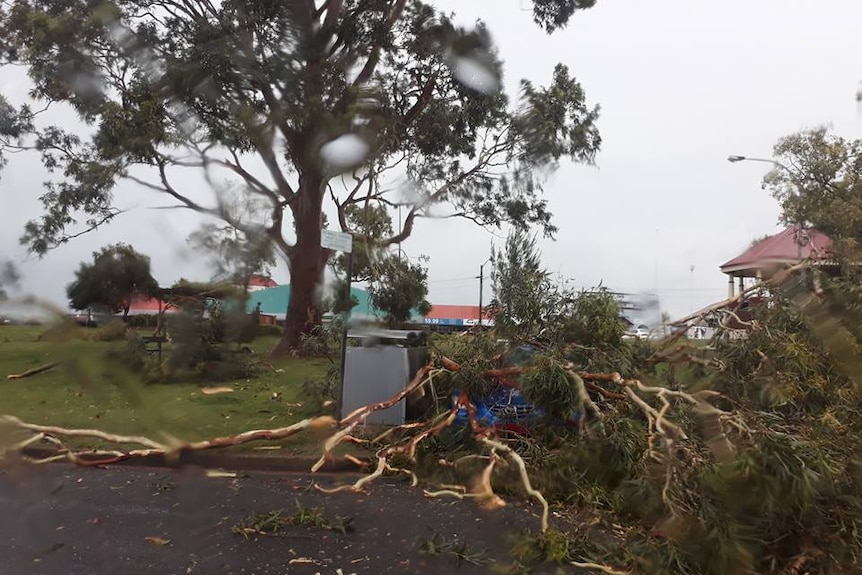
pixel 153 344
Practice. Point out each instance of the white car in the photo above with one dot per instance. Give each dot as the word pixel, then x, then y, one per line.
pixel 640 332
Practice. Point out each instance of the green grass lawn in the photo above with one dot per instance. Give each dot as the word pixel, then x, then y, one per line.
pixel 86 392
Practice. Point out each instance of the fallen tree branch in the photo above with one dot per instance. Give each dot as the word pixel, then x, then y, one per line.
pixel 152 448
pixel 34 371
pixel 97 433
pixel 483 491
pixel 602 391
pixel 260 434
pixel 359 415
pixel 597 567
pixel 525 478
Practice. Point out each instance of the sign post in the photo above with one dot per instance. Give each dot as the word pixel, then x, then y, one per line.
pixel 342 242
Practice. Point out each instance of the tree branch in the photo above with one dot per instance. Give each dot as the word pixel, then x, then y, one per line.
pixel 374 56
pixel 93 226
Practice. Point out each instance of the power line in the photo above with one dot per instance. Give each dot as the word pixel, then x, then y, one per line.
pixel 453 280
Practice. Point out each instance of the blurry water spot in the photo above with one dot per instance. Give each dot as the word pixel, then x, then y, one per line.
pixel 475 74
pixel 86 86
pixel 345 151
pixel 411 194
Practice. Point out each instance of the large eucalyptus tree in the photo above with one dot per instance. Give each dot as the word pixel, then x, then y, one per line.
pixel 302 101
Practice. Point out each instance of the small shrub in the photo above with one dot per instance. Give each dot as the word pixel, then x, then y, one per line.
pixel 133 356
pixel 113 331
pixel 142 321
pixel 552 546
pixel 319 391
pixel 61 332
pixel 322 342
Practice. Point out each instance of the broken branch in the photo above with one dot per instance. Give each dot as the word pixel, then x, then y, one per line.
pixel 34 371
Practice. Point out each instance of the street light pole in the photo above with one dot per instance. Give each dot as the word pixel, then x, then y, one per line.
pixel 800 226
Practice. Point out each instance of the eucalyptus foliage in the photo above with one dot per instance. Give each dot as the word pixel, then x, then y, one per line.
pixel 305 92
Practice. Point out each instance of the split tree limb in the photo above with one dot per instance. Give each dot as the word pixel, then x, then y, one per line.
pixel 152 447
pixel 597 567
pixel 525 478
pixel 34 371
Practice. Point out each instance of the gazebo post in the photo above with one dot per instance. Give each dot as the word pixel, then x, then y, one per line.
pixel 741 284
pixel 729 286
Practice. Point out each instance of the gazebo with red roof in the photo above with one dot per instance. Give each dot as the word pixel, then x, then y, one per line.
pixel 770 254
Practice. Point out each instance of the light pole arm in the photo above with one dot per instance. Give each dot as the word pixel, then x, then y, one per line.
pixel 776 163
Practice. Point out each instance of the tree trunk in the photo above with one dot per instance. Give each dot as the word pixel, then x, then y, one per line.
pixel 307 261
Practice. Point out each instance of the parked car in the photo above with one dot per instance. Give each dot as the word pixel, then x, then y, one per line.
pixel 640 332
pixel 89 318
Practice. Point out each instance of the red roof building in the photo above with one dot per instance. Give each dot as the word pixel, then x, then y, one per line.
pixel 457 315
pixel 787 247
pixel 258 282
pixel 142 306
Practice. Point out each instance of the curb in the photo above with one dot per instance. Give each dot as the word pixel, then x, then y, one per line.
pixel 214 460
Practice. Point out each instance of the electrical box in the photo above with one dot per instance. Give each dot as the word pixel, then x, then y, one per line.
pixel 381 367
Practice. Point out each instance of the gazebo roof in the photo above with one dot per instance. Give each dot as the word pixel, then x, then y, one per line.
pixel 778 250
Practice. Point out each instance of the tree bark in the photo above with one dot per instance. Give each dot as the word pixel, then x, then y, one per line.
pixel 307 262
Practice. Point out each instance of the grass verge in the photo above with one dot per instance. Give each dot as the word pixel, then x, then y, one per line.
pixel 87 391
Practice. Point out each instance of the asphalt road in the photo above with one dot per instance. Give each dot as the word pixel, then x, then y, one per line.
pixel 63 520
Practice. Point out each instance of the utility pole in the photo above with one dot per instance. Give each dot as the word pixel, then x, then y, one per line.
pixel 691 288
pixel 400 229
pixel 481 287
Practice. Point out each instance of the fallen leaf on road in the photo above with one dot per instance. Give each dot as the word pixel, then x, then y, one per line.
pixel 156 540
pixel 303 560
pixel 220 473
pixel 216 390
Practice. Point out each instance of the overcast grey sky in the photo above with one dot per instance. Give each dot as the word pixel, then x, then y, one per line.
pixel 682 84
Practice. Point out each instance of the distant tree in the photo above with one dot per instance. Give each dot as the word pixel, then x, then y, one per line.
pixel 365 222
pixel 524 295
pixel 117 275
pixel 309 91
pixel 759 239
pixel 820 183
pixel 238 250
pixel 9 277
pixel 398 287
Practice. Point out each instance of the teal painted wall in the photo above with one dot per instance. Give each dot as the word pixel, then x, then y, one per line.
pixel 273 301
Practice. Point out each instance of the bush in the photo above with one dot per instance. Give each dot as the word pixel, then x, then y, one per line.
pixel 193 341
pixel 112 331
pixel 318 391
pixel 143 321
pixel 322 342
pixel 62 331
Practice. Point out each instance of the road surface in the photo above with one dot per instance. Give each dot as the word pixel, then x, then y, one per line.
pixel 63 520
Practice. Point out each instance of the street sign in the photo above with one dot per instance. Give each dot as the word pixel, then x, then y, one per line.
pixel 338 241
